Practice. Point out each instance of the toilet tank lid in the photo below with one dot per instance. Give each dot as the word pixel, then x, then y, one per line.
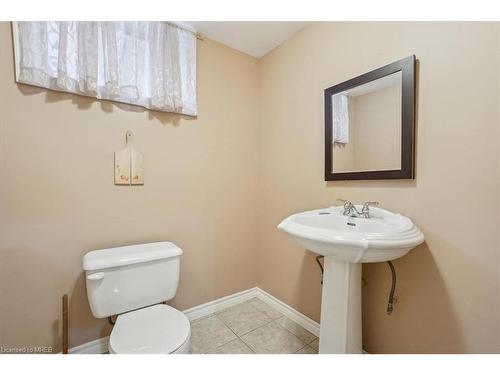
pixel 125 255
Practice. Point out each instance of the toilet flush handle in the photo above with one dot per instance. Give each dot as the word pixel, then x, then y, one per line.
pixel 96 276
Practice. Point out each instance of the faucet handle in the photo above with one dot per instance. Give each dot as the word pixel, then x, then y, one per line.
pixel 345 202
pixel 348 206
pixel 366 206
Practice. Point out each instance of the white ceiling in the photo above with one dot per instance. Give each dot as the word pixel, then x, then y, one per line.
pixel 254 38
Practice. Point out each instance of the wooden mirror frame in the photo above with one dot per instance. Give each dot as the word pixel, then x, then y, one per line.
pixel 407 68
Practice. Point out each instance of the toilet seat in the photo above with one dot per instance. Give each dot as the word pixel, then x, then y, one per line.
pixel 151 330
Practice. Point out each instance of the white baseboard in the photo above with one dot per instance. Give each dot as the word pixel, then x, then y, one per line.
pixel 220 304
pixel 292 314
pixel 100 346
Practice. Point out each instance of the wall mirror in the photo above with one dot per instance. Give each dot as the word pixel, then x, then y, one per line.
pixel 369 125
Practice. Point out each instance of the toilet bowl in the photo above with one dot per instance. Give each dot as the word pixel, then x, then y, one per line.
pixel 158 329
pixel 133 282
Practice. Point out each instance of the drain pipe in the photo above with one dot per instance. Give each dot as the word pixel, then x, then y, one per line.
pixel 390 303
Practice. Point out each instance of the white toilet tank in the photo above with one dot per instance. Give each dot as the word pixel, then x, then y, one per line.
pixel 126 278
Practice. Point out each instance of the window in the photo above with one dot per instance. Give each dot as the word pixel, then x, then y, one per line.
pixel 150 64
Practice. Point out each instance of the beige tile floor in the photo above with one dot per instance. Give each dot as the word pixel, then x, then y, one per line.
pixel 248 328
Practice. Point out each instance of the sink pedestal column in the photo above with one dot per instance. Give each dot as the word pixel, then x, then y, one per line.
pixel 340 329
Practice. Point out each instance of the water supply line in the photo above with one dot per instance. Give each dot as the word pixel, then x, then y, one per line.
pixel 320 266
pixel 390 303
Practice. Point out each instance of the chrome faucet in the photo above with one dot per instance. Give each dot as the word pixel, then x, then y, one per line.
pixel 351 210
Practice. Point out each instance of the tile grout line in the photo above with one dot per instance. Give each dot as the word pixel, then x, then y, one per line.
pixel 246 333
pixel 220 320
pixel 307 343
pixel 272 321
pixel 263 325
pixel 283 316
pixel 237 336
pixel 224 324
pixel 244 343
pixel 286 329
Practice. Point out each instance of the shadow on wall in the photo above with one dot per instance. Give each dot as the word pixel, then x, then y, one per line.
pixel 309 288
pixel 85 102
pixel 385 184
pixel 418 312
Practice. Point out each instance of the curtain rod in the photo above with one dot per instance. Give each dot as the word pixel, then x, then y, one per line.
pixel 182 27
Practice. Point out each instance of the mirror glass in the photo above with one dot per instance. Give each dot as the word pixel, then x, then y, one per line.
pixel 366 123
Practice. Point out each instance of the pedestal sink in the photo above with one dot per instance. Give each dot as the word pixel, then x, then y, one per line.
pixel 346 242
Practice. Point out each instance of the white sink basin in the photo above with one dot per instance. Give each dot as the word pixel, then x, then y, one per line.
pixel 346 242
pixel 384 236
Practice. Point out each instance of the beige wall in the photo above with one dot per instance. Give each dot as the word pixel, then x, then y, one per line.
pixel 377 130
pixel 448 287
pixel 58 200
pixel 374 133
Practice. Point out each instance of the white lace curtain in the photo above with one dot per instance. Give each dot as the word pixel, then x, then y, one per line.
pixel 150 64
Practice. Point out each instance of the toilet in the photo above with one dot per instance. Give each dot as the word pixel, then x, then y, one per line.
pixel 133 282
